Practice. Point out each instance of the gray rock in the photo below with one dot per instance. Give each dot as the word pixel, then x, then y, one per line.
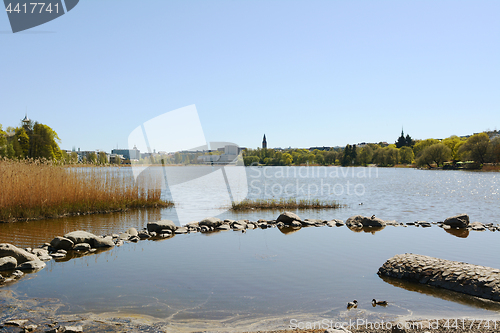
pixel 132 232
pixel 237 226
pixel 425 224
pixel 296 224
pixel 34 265
pixel 359 221
pixel 224 227
pixel 16 322
pixel 124 236
pixel 57 255
pixel 309 222
pixel 7 263
pixel 211 222
pixel 134 239
pixel 240 224
pixel 181 230
pixel 40 252
pixel 30 328
pixel 62 243
pixel 72 329
pixel 205 228
pixel 335 222
pixel 161 225
pixel 9 250
pixel 143 234
pixel 17 274
pixel 477 226
pixel 45 258
pixel 79 236
pixel 458 221
pixel 103 242
pixel 82 247
pixel 288 218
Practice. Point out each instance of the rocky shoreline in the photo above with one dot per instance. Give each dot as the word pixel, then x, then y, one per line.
pixel 15 262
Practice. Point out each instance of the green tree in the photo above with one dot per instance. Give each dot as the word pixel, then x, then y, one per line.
pixel 406 155
pixel 495 150
pixel 43 143
pixel 366 155
pixel 102 158
pixel 454 143
pixel 422 144
pixel 347 156
pixel 3 142
pixel 251 160
pixel 437 153
pixel 24 141
pixel 476 147
pixel 286 159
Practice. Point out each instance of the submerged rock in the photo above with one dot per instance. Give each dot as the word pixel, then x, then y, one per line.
pixel 469 279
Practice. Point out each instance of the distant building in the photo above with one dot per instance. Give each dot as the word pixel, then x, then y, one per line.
pixel 319 148
pixel 264 142
pixel 231 153
pixel 128 154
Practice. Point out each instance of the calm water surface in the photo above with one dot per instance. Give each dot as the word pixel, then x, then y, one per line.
pixel 267 276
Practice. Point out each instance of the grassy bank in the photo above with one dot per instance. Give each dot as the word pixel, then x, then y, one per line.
pixel 33 189
pixel 284 204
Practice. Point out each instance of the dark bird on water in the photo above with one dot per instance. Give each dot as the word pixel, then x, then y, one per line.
pixel 353 304
pixel 375 302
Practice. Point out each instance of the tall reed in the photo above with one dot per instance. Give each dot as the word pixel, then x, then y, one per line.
pixel 31 189
pixel 282 203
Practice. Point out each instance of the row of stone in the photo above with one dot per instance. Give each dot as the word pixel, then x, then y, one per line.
pixel 466 278
pixel 18 260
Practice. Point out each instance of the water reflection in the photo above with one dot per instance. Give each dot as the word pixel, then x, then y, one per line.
pixel 447 295
pixel 35 233
pixel 77 254
pixel 461 233
pixel 288 230
pixel 371 230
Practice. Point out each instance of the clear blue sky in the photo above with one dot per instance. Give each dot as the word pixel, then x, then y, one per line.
pixel 305 73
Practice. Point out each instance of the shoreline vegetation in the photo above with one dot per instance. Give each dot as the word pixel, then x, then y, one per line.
pixel 37 189
pixel 274 204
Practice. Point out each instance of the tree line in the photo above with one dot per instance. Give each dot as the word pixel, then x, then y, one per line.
pixel 36 140
pixel 478 149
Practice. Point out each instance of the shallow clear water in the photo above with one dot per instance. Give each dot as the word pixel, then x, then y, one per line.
pixel 242 278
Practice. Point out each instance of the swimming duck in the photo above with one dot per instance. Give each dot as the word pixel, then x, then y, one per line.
pixel 375 302
pixel 353 304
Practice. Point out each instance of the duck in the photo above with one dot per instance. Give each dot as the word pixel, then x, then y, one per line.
pixel 353 304
pixel 375 302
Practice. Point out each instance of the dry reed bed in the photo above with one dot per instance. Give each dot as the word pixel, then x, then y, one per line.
pixel 32 189
pixel 284 204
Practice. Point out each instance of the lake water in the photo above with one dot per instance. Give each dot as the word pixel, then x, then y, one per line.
pixel 265 278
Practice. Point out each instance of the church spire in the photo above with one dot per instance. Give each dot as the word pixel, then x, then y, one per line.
pixel 264 142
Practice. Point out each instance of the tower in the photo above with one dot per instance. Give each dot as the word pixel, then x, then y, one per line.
pixel 26 120
pixel 264 142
